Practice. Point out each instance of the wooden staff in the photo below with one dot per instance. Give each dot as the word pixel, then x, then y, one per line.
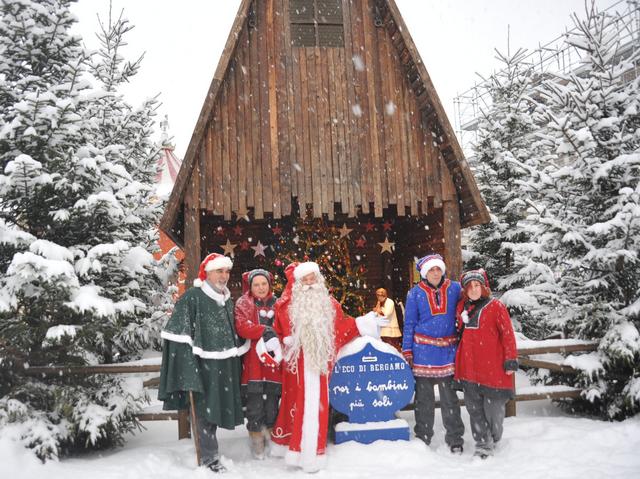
pixel 194 427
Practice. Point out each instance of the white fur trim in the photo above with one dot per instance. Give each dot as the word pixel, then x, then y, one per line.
pixel 198 351
pixel 213 294
pixel 432 263
pixel 310 420
pixel 294 458
pixel 197 282
pixel 219 263
pixel 287 340
pixel 368 325
pixel 304 269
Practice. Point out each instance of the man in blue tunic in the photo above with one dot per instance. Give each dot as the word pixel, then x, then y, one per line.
pixel 429 345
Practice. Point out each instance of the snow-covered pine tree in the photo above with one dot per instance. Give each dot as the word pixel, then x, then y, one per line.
pixel 504 165
pixel 123 135
pixel 593 221
pixel 78 284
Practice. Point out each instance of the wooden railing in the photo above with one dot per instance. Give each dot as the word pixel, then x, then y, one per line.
pixel 181 416
pixel 525 350
pixel 549 346
pixel 532 348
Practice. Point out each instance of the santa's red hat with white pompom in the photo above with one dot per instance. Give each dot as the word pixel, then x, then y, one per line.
pixel 211 262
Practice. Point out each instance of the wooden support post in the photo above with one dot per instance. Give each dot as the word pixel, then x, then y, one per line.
pixel 194 426
pixel 451 238
pixel 192 251
pixel 184 429
pixel 511 405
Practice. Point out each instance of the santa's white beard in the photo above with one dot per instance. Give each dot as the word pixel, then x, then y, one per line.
pixel 312 318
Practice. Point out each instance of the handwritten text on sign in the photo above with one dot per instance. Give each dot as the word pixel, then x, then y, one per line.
pixel 371 385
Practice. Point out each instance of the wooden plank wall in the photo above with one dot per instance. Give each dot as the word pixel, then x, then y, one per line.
pixel 328 126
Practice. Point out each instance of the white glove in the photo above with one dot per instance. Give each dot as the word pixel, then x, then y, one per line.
pixel 269 353
pixel 369 324
pixel 273 344
pixel 287 340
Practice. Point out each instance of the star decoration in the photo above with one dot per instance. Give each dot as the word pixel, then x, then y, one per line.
pixel 220 230
pixel 361 243
pixel 258 249
pixel 344 231
pixel 370 226
pixel 277 230
pixel 244 246
pixel 237 230
pixel 228 248
pixel 242 213
pixel 387 246
pixel 387 225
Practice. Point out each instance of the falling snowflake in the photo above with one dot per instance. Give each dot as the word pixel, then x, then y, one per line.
pixel 357 110
pixel 390 108
pixel 358 63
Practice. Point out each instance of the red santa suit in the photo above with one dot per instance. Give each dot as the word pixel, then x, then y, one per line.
pixel 300 432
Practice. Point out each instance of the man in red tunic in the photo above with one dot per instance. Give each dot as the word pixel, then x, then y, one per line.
pixel 314 328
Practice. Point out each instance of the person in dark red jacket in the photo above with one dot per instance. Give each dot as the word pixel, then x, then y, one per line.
pixel 261 381
pixel 486 359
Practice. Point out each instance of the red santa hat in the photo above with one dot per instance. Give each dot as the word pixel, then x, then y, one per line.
pixel 304 269
pixel 211 262
pixel 288 273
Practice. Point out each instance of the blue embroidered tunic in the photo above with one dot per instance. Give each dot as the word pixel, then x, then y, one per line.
pixel 430 338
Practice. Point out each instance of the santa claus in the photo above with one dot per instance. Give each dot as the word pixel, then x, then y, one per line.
pixel 314 328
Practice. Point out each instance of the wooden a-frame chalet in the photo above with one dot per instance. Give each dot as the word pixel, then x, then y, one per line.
pixel 325 107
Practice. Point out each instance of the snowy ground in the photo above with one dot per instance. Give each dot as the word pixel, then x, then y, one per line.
pixel 541 442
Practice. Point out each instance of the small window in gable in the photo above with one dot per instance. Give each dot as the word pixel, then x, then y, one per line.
pixel 316 23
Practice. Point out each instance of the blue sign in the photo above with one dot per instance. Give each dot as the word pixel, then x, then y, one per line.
pixel 369 383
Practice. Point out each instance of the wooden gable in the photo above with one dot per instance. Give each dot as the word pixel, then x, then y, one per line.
pixel 351 129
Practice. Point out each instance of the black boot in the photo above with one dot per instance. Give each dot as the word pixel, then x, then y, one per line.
pixel 481 454
pixel 217 467
pixel 457 449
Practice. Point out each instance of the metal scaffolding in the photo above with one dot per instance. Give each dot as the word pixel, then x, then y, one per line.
pixel 556 56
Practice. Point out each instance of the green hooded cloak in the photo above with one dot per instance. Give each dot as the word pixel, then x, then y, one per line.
pixel 201 353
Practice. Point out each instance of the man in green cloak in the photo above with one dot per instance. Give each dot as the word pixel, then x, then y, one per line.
pixel 201 358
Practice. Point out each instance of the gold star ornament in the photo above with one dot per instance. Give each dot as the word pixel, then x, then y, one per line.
pixel 344 231
pixel 228 248
pixel 387 246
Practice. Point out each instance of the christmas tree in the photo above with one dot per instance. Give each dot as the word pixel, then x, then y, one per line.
pixel 78 283
pixel 505 166
pixel 319 241
pixel 592 218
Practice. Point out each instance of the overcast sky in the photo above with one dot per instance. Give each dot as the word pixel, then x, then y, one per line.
pixel 183 40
